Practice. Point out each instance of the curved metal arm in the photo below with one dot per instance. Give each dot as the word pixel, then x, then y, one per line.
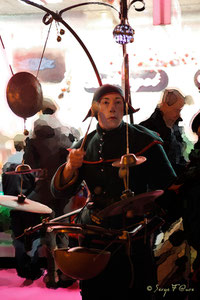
pixel 58 18
pixel 54 15
pixel 137 9
pixel 87 3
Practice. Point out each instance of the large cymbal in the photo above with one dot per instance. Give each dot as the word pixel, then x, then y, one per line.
pixel 140 205
pixel 26 205
pixel 129 160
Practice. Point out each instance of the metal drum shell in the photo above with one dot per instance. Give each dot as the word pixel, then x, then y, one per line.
pixel 24 94
pixel 81 263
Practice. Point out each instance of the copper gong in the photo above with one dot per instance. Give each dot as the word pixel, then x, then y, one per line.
pixel 24 94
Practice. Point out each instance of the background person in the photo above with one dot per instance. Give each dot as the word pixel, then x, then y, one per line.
pixel 46 148
pixel 165 121
pixel 190 193
pixel 28 264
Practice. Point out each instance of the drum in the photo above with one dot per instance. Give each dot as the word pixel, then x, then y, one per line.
pixel 81 263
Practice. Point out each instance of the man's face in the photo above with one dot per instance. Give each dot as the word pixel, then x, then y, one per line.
pixel 171 113
pixel 111 111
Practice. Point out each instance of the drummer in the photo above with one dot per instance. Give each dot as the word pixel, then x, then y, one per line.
pixel 93 164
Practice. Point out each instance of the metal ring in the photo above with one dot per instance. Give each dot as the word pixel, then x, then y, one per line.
pixel 47 19
pixel 138 9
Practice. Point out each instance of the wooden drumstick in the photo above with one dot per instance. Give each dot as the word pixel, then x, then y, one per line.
pixel 94 110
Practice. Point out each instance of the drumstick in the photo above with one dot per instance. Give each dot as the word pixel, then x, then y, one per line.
pixel 94 110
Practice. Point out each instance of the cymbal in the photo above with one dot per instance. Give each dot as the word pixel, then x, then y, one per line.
pixel 27 205
pixel 22 169
pixel 129 160
pixel 22 172
pixel 140 205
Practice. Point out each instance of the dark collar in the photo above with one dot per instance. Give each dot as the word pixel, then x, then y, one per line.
pixel 109 133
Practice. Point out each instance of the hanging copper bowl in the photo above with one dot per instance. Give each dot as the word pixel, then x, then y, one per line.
pixel 81 263
pixel 24 94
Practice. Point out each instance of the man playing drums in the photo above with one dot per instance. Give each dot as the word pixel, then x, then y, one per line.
pixel 95 165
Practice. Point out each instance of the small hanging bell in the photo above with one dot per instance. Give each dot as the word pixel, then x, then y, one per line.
pixel 26 132
pixel 62 31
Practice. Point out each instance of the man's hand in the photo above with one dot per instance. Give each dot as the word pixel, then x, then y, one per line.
pixel 75 159
pixel 74 162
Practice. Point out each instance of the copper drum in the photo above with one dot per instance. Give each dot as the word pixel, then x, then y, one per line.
pixel 24 94
pixel 81 263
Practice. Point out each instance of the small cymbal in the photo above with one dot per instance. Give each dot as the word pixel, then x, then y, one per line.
pixel 27 205
pixel 140 205
pixel 129 160
pixel 22 169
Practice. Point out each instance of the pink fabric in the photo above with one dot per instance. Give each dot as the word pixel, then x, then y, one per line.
pixel 12 287
pixel 161 12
